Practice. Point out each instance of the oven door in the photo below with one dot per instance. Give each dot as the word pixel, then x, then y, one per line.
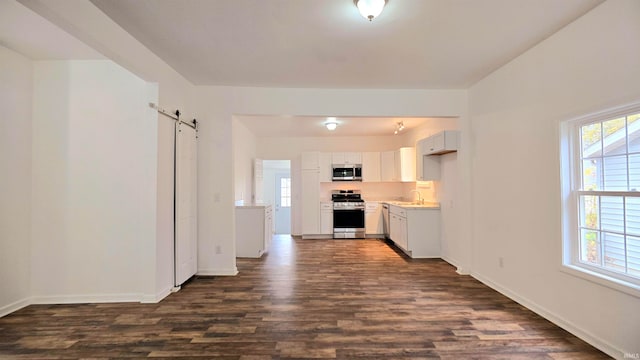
pixel 348 223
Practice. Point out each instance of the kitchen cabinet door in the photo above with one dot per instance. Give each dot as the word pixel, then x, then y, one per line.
pixel 353 158
pixel 337 158
pixel 326 170
pixel 405 164
pixel 441 143
pixel 373 218
pixel 387 166
pixel 341 158
pixel 371 167
pixel 326 218
pixel 310 202
pixel 398 227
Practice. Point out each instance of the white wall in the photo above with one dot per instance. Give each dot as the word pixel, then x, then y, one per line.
pixel 592 64
pixel 219 104
pixel 86 22
pixel 15 161
pixel 215 107
pixel 94 183
pixel 244 152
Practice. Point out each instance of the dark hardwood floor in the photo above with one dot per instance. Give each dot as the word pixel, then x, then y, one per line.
pixel 345 299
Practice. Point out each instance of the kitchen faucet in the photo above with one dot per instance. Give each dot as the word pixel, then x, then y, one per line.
pixel 420 199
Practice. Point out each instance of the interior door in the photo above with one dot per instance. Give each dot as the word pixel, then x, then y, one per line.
pixel 186 241
pixel 283 203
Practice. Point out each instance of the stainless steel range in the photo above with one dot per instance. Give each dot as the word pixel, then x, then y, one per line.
pixel 348 214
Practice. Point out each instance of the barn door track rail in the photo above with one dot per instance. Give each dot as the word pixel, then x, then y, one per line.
pixel 175 116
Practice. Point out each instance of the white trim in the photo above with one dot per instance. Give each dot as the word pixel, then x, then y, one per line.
pixel 604 115
pixel 218 272
pixel 570 182
pixel 608 193
pixel 459 269
pixel 602 279
pixel 82 299
pixel 153 299
pixel 588 337
pixel 14 306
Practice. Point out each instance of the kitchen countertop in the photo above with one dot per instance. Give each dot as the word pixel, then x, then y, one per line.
pixel 413 205
pixel 253 206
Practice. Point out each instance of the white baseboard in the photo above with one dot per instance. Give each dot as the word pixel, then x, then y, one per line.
pixel 218 272
pixel 14 306
pixel 603 346
pixel 459 269
pixel 153 299
pixel 83 299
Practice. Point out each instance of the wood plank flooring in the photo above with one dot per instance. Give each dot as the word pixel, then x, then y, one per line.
pixel 324 299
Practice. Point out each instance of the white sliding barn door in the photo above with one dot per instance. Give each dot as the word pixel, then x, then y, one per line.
pixel 186 240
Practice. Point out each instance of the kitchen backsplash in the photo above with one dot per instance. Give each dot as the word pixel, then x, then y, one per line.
pixel 383 190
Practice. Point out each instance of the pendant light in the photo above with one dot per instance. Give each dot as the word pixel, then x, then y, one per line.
pixel 370 9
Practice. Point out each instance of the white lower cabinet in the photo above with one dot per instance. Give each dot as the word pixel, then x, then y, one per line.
pixel 398 227
pixel 326 218
pixel 254 229
pixel 373 219
pixel 416 231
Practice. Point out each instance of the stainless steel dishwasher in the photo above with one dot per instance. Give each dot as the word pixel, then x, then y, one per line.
pixel 385 220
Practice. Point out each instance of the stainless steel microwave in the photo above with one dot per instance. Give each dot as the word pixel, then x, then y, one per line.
pixel 347 172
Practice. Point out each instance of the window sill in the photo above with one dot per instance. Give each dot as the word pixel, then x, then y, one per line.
pixel 601 279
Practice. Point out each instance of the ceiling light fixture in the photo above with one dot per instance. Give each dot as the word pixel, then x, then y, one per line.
pixel 399 127
pixel 331 124
pixel 370 8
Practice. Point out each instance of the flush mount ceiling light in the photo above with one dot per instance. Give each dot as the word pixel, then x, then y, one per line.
pixel 399 127
pixel 331 123
pixel 370 8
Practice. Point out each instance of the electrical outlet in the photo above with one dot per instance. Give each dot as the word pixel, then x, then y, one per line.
pixel 218 249
pixel 501 262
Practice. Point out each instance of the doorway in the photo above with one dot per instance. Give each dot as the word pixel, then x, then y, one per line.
pixel 277 192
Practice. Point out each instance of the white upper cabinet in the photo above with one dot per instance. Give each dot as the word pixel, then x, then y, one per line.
pixel 427 167
pixel 440 143
pixel 405 164
pixel 310 160
pixel 340 158
pixel 387 166
pixel 324 161
pixel 371 166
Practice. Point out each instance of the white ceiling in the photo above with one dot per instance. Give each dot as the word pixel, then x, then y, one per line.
pixel 429 44
pixel 36 38
pixel 313 126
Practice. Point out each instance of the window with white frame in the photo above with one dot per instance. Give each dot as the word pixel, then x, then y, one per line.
pixel 285 192
pixel 602 208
